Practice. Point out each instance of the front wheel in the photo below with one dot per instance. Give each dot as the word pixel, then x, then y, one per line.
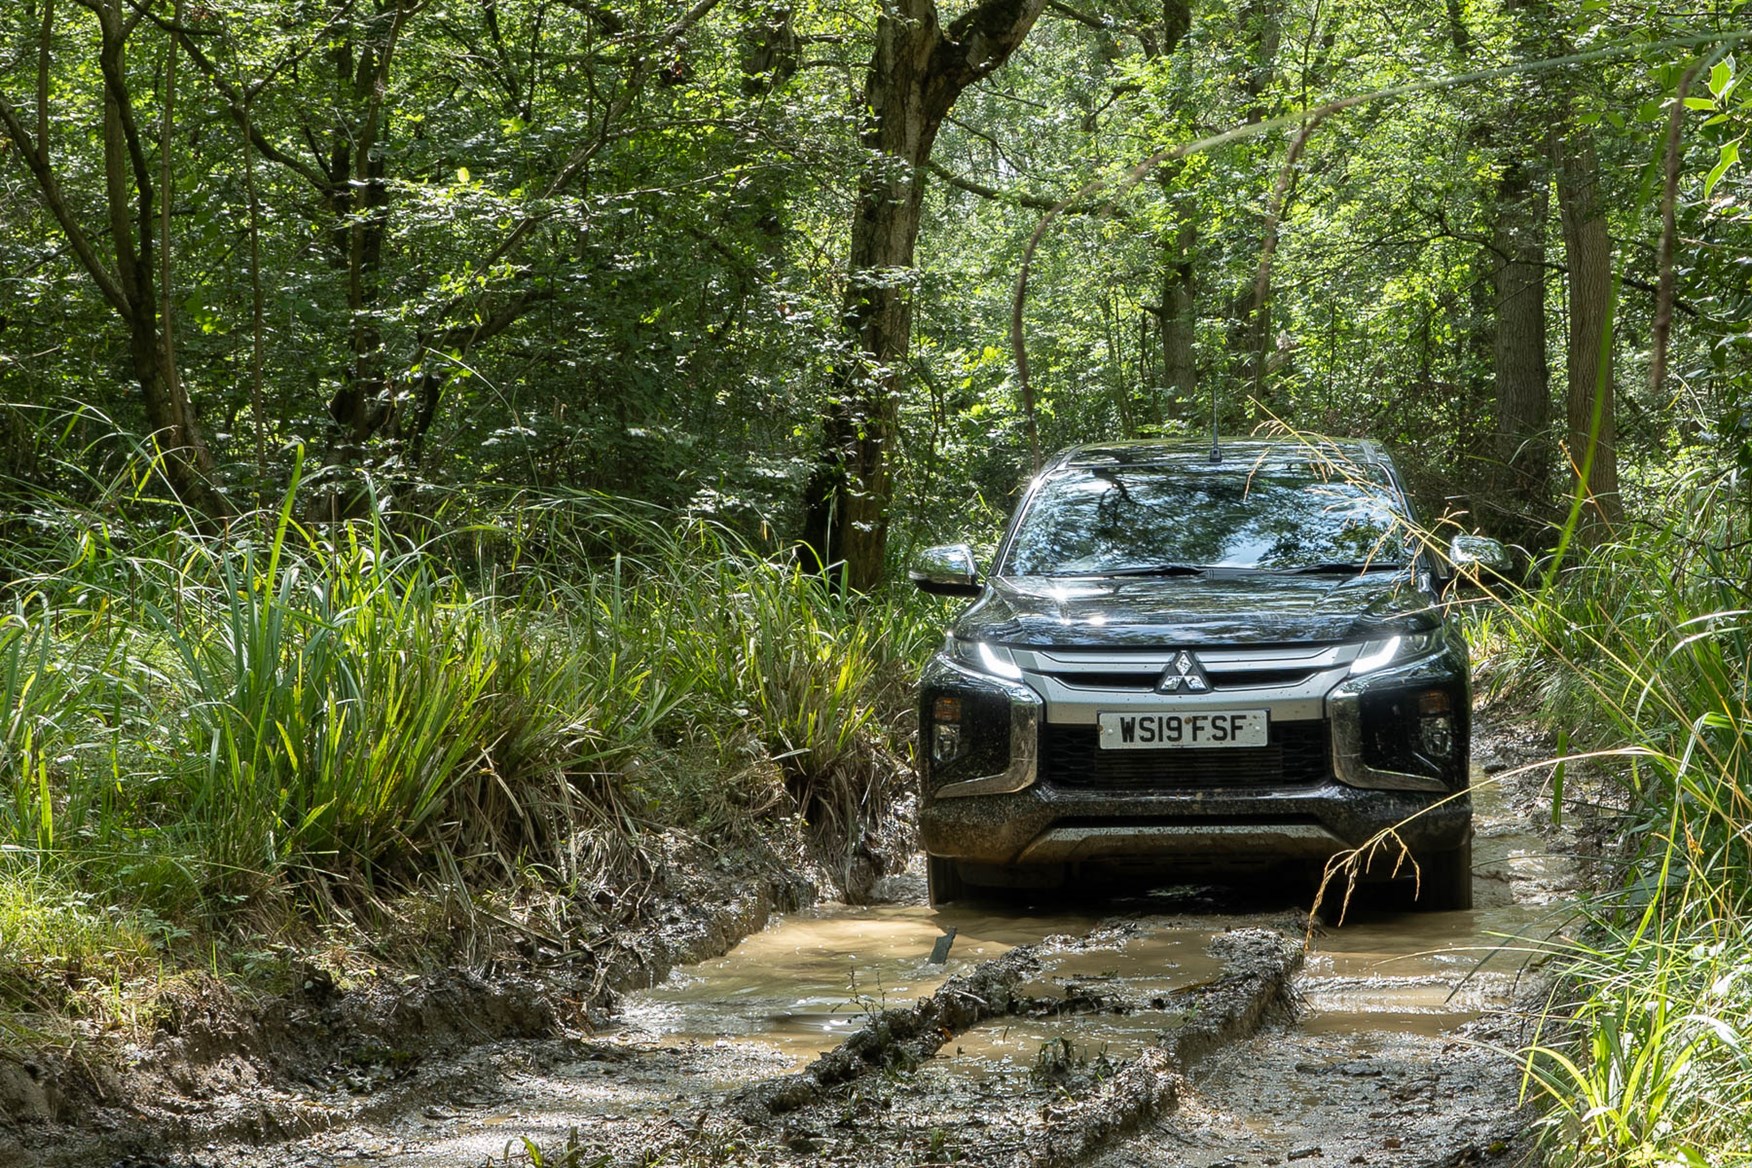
pixel 1445 879
pixel 942 880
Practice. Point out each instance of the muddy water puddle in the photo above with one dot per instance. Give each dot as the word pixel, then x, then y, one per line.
pixel 812 978
pixel 1377 1069
pixel 1428 973
pixel 1413 973
pixel 808 980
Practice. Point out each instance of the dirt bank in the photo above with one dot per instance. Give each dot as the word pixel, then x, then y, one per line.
pixel 215 1065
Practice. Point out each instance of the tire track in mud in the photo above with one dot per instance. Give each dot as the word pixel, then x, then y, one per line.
pixel 1254 985
pixel 1391 1062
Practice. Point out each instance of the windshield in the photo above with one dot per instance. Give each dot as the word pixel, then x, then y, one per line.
pixel 1092 521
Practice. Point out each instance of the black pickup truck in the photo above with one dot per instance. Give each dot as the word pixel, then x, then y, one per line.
pixel 1212 658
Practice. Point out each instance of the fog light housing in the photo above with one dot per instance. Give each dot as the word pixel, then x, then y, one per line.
pixel 1411 732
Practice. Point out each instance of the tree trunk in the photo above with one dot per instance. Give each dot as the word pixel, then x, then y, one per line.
pixel 127 281
pixel 915 75
pixel 1179 311
pixel 1250 332
pixel 358 198
pixel 1544 30
pixel 1263 26
pixel 1179 319
pixel 133 224
pixel 1521 472
pixel 1588 255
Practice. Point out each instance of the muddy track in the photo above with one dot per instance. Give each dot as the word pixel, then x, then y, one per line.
pixel 1186 1026
pixel 218 1070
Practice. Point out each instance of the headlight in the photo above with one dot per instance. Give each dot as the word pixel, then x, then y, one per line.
pixel 986 658
pixel 1376 654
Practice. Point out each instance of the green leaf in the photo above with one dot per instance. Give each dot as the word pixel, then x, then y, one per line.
pixel 1719 77
pixel 1730 155
pixel 1700 103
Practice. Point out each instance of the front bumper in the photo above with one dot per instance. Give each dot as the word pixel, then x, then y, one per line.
pixel 997 801
pixel 1046 824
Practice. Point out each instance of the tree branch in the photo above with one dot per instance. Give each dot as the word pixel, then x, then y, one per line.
pixel 1663 324
pixel 1035 202
pixel 582 156
pixel 36 157
pixel 1444 231
pixel 237 98
pixel 1082 18
pixel 1136 174
pixel 976 43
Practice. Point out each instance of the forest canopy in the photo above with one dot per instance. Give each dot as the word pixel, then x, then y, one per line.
pixel 760 260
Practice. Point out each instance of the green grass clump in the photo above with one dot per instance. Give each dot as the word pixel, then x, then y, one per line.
pixel 1645 1060
pixel 284 725
pixel 65 952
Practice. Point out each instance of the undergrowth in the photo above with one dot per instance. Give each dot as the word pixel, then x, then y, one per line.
pixel 1641 651
pixel 211 740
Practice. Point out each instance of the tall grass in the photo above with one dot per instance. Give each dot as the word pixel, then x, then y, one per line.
pixel 1646 1060
pixel 219 732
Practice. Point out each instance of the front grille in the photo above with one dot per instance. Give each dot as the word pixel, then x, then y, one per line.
pixel 1127 681
pixel 1260 678
pixel 1299 755
pixel 1146 682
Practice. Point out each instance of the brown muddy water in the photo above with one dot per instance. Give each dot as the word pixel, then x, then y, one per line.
pixel 1390 1060
pixel 809 979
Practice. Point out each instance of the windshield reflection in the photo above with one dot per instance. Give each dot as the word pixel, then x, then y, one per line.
pixel 1092 521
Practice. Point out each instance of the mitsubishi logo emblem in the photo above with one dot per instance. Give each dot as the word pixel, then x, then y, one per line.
pixel 1184 673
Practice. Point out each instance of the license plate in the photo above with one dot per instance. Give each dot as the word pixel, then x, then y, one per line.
pixel 1163 731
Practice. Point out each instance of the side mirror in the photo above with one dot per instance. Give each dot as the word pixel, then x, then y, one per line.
pixel 947 570
pixel 1476 557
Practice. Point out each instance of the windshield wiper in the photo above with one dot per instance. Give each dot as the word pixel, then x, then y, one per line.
pixel 1343 568
pixel 1156 570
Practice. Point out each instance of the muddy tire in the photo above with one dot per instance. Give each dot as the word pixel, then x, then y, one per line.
pixel 1445 880
pixel 942 880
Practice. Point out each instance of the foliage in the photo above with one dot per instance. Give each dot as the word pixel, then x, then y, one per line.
pixel 512 328
pixel 1652 636
pixel 217 732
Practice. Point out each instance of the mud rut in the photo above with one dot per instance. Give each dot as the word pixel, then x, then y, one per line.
pixel 1189 1026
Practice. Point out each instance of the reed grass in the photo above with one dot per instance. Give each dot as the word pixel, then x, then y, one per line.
pixel 1641 651
pixel 218 734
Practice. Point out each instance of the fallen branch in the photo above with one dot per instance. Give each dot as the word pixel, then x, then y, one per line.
pixel 1254 988
pixel 902 1037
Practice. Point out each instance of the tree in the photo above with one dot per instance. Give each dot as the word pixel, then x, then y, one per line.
pixel 1522 457
pixel 1592 395
pixel 133 277
pixel 1587 243
pixel 1521 461
pixel 1178 311
pixel 916 72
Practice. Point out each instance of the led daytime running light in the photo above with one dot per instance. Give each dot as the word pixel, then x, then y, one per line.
pixel 1380 654
pixel 997 666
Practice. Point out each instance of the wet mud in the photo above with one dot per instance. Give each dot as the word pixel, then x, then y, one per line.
pixel 1202 1026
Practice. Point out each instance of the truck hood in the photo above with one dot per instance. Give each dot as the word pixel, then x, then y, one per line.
pixel 1219 607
